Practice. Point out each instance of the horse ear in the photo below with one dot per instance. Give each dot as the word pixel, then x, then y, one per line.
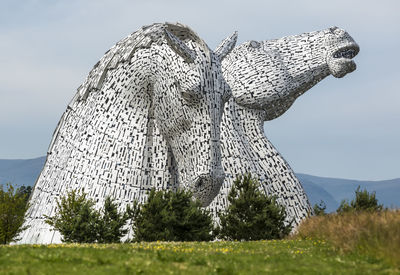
pixel 179 47
pixel 226 46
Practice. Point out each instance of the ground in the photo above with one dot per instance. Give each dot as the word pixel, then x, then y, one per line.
pixel 259 257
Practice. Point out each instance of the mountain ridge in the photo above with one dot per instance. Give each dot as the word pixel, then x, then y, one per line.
pixel 21 171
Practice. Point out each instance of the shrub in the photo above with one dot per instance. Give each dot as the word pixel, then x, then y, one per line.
pixel 13 205
pixel 78 221
pixel 251 215
pixel 171 216
pixel 319 209
pixel 110 228
pixel 363 201
pixel 75 218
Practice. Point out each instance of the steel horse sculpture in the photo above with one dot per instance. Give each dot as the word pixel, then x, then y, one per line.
pixel 266 77
pixel 148 115
pixel 161 110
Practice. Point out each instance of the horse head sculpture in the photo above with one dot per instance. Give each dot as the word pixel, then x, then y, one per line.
pixel 147 116
pixel 269 75
pixel 189 95
pixel 266 77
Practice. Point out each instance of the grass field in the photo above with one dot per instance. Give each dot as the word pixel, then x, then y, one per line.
pixel 260 257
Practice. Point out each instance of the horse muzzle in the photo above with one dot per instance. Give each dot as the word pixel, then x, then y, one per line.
pixel 207 186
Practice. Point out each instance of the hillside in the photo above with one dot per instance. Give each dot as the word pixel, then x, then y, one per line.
pixel 331 190
pixel 387 191
pixel 20 171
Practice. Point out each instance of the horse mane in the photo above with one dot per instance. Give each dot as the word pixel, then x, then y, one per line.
pixel 123 51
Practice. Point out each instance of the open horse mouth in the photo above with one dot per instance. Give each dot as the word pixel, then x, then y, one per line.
pixel 340 61
pixel 347 52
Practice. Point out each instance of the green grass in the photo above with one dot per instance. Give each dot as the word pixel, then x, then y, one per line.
pixel 261 257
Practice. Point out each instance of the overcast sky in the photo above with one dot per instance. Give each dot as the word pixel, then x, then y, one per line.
pixel 347 128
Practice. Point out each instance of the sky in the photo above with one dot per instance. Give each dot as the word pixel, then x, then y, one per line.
pixel 345 128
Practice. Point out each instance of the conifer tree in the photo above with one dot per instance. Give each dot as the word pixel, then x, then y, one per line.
pixel 111 224
pixel 363 201
pixel 171 216
pixel 252 215
pixel 319 209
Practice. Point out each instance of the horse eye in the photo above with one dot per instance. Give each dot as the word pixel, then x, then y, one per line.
pixel 255 44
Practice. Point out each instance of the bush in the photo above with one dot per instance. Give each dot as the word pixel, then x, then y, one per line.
pixel 252 215
pixel 75 218
pixel 319 209
pixel 78 221
pixel 13 205
pixel 171 216
pixel 111 223
pixel 363 201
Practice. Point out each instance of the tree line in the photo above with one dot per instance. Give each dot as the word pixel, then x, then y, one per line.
pixel 363 201
pixel 165 216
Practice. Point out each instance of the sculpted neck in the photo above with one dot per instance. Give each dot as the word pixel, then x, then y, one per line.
pixel 251 120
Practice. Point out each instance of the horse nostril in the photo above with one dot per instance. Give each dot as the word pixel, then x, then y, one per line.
pixel 199 183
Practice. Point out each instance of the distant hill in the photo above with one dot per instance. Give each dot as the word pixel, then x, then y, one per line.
pixel 20 171
pixel 331 190
pixel 387 191
pixel 316 194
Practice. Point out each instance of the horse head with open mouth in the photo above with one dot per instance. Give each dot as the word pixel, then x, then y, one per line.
pixel 266 77
pixel 269 75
